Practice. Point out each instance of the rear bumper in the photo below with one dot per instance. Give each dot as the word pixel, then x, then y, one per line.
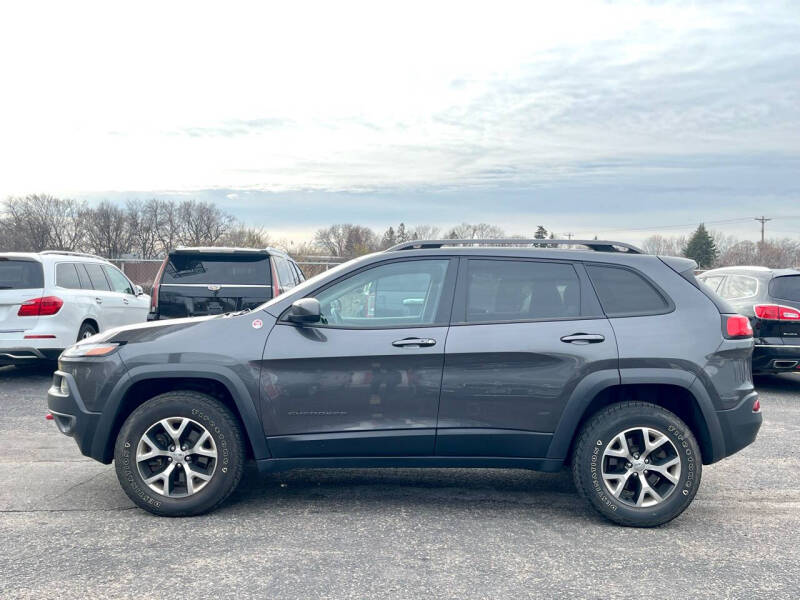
pixel 27 355
pixel 776 358
pixel 740 424
pixel 70 413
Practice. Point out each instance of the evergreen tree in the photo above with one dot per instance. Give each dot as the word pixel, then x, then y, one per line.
pixel 402 234
pixel 541 233
pixel 701 248
pixel 389 238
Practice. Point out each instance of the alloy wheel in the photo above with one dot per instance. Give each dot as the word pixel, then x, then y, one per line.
pixel 176 457
pixel 641 467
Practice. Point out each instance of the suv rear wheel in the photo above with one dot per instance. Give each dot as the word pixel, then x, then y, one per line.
pixel 637 464
pixel 179 454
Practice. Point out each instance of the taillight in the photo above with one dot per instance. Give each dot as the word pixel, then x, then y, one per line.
pixel 776 312
pixel 40 307
pixel 156 285
pixel 737 326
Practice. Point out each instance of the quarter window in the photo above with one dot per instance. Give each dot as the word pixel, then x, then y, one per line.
pixel 510 290
pixel 712 281
pixel 390 295
pixel 67 276
pixel 624 293
pixel 738 286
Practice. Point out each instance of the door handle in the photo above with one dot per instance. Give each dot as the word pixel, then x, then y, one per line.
pixel 98 300
pixel 412 341
pixel 583 338
pixel 125 301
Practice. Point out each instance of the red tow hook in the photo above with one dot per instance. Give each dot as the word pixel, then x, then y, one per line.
pixel 49 416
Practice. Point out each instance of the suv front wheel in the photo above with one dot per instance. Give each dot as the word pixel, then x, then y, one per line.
pixel 637 464
pixel 179 454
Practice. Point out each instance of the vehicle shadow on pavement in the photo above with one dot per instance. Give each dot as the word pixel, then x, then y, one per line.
pixel 325 489
pixel 37 369
pixel 785 382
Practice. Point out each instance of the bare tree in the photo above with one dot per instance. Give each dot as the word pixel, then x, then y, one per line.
pixel 245 237
pixel 144 223
pixel 346 239
pixel 202 223
pixel 425 232
pixel 475 231
pixel 108 231
pixel 664 246
pixel 40 222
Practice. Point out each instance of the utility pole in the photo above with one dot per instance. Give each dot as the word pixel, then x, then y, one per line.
pixel 569 235
pixel 762 219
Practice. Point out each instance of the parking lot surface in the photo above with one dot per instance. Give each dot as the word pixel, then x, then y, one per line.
pixel 68 530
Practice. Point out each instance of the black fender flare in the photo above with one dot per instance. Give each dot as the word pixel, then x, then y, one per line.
pixel 596 382
pixel 245 404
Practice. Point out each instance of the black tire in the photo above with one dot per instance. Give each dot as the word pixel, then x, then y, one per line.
pixel 86 330
pixel 589 462
pixel 215 418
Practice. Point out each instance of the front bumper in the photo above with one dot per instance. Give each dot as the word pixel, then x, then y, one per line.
pixel 740 424
pixel 776 358
pixel 70 413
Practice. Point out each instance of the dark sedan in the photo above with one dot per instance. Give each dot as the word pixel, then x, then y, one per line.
pixel 771 298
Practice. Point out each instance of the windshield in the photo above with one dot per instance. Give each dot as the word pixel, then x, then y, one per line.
pixel 230 269
pixel 20 274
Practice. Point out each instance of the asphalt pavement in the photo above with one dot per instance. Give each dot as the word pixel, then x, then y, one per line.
pixel 68 531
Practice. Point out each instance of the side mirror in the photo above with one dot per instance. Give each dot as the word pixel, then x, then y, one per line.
pixel 137 290
pixel 304 311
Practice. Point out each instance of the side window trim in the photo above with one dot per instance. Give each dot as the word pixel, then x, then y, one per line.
pixel 645 313
pixel 445 301
pixel 589 306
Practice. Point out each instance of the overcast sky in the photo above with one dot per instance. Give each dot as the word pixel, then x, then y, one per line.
pixel 589 118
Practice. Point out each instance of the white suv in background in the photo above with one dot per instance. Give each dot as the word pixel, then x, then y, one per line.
pixel 49 300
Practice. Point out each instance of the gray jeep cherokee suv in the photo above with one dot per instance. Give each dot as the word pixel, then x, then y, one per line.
pixel 449 353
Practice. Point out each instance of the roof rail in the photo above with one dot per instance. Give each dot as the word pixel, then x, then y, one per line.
pixel 70 253
pixel 596 245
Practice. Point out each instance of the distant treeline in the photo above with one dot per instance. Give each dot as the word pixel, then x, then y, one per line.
pixel 148 229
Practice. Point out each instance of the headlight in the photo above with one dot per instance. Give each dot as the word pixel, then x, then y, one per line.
pixel 79 350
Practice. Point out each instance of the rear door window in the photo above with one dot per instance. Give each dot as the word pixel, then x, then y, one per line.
pixel 97 277
pixel 83 276
pixel 298 273
pixel 20 274
pixel 516 290
pixel 67 276
pixel 786 287
pixel 285 274
pixel 624 293
pixel 223 269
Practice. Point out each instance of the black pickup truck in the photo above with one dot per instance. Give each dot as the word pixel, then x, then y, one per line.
pixel 196 282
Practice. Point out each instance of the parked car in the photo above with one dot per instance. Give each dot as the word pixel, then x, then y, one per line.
pixel 431 354
pixel 49 300
pixel 210 281
pixel 771 299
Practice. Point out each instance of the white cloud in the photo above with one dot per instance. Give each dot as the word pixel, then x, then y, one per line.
pixel 350 96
